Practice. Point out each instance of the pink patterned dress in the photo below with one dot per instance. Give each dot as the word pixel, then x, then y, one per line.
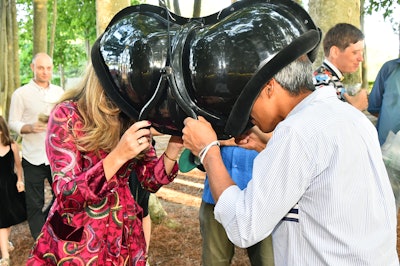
pixel 92 221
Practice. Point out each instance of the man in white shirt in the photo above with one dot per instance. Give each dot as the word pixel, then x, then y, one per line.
pixel 29 110
pixel 319 187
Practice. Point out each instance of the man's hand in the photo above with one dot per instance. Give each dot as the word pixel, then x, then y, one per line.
pixel 359 101
pixel 36 127
pixel 197 134
pixel 254 139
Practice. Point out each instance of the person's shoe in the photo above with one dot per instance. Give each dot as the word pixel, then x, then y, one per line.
pixel 5 262
pixel 10 246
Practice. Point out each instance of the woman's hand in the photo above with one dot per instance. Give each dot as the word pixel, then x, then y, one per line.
pixel 133 142
pixel 20 186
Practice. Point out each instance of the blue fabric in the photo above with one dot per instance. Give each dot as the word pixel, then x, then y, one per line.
pixel 239 163
pixel 384 99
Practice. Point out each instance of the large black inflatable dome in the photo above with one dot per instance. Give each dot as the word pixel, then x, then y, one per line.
pixel 162 67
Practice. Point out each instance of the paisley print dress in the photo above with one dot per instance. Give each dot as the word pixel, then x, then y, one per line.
pixel 92 221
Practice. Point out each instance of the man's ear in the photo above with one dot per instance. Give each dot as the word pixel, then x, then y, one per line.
pixel 334 51
pixel 269 87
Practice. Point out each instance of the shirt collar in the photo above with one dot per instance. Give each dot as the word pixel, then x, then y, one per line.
pixel 316 95
pixel 33 83
pixel 334 69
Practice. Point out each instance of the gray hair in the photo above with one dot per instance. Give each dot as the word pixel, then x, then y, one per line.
pixel 297 76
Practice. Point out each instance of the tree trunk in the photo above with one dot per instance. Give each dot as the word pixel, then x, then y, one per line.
pixel 364 69
pixel 197 8
pixel 3 56
pixel 105 11
pixel 326 14
pixel 39 26
pixel 15 43
pixel 156 210
pixel 399 37
pixel 53 29
pixel 9 62
pixel 177 9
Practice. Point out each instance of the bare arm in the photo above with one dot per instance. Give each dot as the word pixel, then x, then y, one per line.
pixel 171 153
pixel 197 134
pixel 218 176
pixel 18 167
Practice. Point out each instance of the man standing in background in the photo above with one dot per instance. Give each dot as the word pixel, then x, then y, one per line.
pixel 343 48
pixel 29 110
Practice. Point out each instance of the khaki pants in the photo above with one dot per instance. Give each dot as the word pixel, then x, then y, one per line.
pixel 218 250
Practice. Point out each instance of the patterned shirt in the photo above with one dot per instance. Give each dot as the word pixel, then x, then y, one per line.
pixel 92 221
pixel 328 75
pixel 320 187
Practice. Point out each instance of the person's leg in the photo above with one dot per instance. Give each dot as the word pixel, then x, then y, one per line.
pixel 217 249
pixel 262 254
pixel 147 230
pixel 10 244
pixel 47 173
pixel 4 242
pixel 34 196
pixel 141 196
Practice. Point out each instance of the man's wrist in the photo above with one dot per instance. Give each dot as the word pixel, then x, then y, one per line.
pixel 203 152
pixel 29 128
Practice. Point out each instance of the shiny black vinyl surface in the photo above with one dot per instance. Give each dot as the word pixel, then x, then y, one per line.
pixel 166 67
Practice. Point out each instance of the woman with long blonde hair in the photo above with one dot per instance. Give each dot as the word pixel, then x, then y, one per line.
pixel 92 148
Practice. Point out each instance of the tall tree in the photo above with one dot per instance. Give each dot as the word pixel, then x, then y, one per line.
pixel 39 26
pixel 105 10
pixel 53 29
pixel 9 64
pixel 197 8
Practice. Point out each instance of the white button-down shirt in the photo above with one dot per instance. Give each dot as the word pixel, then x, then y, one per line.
pixel 320 187
pixel 27 103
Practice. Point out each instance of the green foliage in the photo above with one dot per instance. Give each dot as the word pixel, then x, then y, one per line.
pixel 25 26
pixel 76 27
pixel 75 34
pixel 387 8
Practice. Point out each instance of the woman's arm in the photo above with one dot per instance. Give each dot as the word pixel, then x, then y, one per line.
pixel 172 152
pixel 18 167
pixel 78 177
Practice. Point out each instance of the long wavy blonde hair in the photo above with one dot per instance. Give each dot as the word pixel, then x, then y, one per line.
pixel 103 121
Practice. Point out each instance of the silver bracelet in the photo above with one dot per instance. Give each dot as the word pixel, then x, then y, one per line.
pixel 204 151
